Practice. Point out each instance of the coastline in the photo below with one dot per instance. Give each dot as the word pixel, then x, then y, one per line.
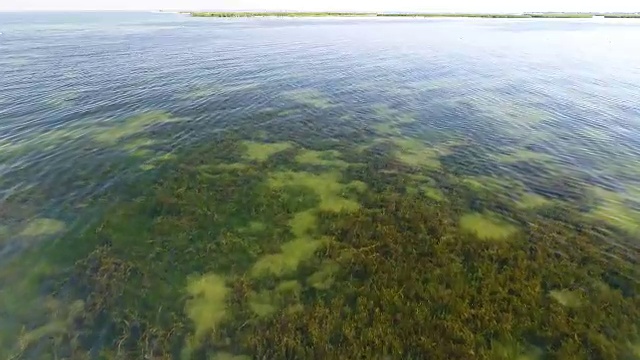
pixel 418 15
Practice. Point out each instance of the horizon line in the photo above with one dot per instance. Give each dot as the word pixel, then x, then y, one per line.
pixel 310 11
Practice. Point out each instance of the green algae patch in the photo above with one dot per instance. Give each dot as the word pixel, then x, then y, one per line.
pixel 612 209
pixel 387 129
pixel 357 186
pixel 43 227
pixel 262 303
pixel 22 302
pixel 5 232
pixel 19 294
pixel 289 287
pixel 487 226
pixel 303 223
pixel 532 201
pixel 59 324
pixel 328 158
pixel 153 161
pixel 265 303
pixel 502 187
pixel 326 185
pixel 257 151
pixel 49 330
pixel 207 306
pixel 138 147
pixel 324 277
pixel 212 90
pixel 394 116
pixel 635 349
pixel 131 126
pixel 501 350
pixel 391 119
pixel 254 227
pixel 432 193
pixel 416 153
pixel 425 185
pixel 309 97
pixel 46 141
pixel 291 255
pixel 56 321
pixel 567 298
pixel 223 167
pixel 232 166
pixel 229 356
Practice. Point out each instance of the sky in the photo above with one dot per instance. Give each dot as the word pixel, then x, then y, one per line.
pixel 330 5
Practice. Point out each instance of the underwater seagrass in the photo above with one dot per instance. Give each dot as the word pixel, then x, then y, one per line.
pixel 341 261
pixel 387 248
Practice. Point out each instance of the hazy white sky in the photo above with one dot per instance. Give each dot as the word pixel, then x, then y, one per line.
pixel 344 5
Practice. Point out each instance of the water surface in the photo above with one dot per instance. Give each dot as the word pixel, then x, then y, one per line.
pixel 188 187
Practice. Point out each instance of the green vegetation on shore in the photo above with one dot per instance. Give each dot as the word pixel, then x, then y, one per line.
pixel 560 16
pixel 423 15
pixel 622 16
pixel 277 14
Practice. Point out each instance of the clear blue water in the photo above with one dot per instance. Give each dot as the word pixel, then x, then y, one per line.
pixel 552 106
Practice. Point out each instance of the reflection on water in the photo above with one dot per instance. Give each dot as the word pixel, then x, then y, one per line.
pixel 175 187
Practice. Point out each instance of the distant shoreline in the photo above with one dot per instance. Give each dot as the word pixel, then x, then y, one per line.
pixel 417 15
